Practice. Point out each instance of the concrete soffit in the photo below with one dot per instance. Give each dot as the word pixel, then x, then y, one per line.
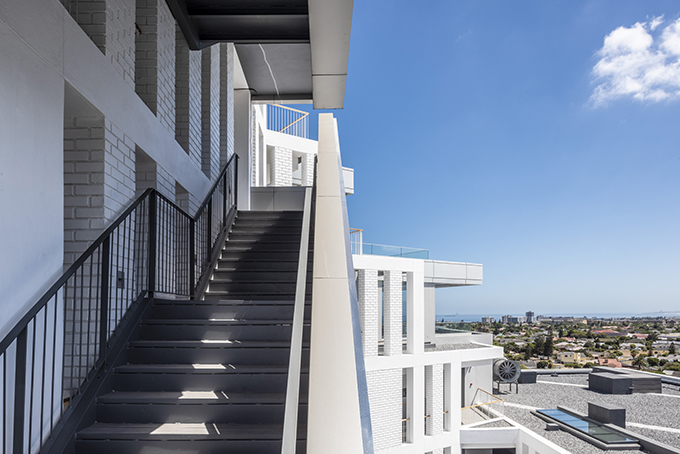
pixel 295 52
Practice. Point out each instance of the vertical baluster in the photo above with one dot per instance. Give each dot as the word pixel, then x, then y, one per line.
pixel 32 387
pixel 44 366
pixel 20 392
pixel 104 308
pixel 152 243
pixel 80 326
pixel 54 361
pixel 4 402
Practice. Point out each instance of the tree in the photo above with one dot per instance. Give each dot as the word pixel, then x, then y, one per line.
pixel 528 351
pixel 542 364
pixel 671 349
pixel 633 353
pixel 653 362
pixel 539 343
pixel 548 346
pixel 639 362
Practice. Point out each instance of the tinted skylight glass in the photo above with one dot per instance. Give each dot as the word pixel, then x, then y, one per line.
pixel 594 429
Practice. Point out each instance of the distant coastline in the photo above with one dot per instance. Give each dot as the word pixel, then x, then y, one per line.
pixel 478 317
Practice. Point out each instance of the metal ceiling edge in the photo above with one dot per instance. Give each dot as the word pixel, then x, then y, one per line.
pixel 186 24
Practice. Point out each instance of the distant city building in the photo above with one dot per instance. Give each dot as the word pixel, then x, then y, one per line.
pixel 488 320
pixel 513 319
pixel 505 318
pixel 530 317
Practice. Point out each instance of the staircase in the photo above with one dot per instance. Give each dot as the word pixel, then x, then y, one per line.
pixel 209 376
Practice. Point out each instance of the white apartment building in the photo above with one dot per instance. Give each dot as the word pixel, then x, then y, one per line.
pixel 102 101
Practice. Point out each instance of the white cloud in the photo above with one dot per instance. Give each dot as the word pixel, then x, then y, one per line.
pixel 639 62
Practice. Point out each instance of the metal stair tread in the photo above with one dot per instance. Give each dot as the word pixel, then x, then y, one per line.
pixel 181 398
pixel 214 369
pixel 181 431
pixel 212 344
pixel 217 322
pixel 225 302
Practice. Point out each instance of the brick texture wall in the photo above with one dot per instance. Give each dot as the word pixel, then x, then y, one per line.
pixel 210 111
pixel 110 24
pixel 392 312
pixel 226 102
pixel 83 184
pixel 188 98
pixel 155 59
pixel 280 166
pixel 307 169
pixel 369 313
pixel 434 399
pixel 385 400
pixel 119 171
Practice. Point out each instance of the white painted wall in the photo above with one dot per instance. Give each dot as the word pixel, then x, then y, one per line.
pixel 31 166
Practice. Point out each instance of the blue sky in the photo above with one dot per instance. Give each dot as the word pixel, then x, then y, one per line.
pixel 512 134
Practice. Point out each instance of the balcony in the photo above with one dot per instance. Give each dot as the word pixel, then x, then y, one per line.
pixel 361 248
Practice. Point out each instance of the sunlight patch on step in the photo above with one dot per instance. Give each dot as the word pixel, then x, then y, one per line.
pixel 198 395
pixel 222 319
pixel 218 341
pixel 180 429
pixel 208 366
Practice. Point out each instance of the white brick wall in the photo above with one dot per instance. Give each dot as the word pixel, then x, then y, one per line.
pixel 434 399
pixel 307 169
pixel 392 312
pixel 188 98
pixel 110 24
pixel 119 170
pixel 83 184
pixel 226 102
pixel 210 111
pixel 369 313
pixel 385 401
pixel 280 166
pixel 155 59
pixel 151 175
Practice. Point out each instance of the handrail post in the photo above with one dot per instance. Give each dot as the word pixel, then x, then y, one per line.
pixel 192 257
pixel 208 240
pixel 236 182
pixel 20 392
pixel 152 243
pixel 104 308
pixel 224 200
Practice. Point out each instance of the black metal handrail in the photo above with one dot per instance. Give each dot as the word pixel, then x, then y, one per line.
pixel 50 354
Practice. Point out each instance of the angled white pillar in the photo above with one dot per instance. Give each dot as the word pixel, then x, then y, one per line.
pixel 335 410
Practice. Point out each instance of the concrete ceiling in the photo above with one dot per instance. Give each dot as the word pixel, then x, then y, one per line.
pixel 290 50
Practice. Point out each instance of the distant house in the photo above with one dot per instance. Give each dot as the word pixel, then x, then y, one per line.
pixel 606 332
pixel 609 362
pixel 569 357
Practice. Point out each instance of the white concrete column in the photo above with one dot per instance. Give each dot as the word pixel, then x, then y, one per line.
pixel 415 407
pixel 280 166
pixel 452 402
pixel 242 144
pixel 393 317
pixel 307 169
pixel 430 312
pixel 434 398
pixel 415 318
pixel 369 301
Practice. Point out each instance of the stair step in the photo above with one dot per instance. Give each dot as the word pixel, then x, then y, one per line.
pixel 260 310
pixel 215 331
pixel 249 296
pixel 252 214
pixel 260 246
pixel 191 411
pixel 256 276
pixel 257 255
pixel 260 287
pixel 233 264
pixel 203 377
pixel 264 235
pixel 197 352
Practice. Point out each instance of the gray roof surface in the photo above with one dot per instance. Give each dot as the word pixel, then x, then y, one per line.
pixel 656 416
